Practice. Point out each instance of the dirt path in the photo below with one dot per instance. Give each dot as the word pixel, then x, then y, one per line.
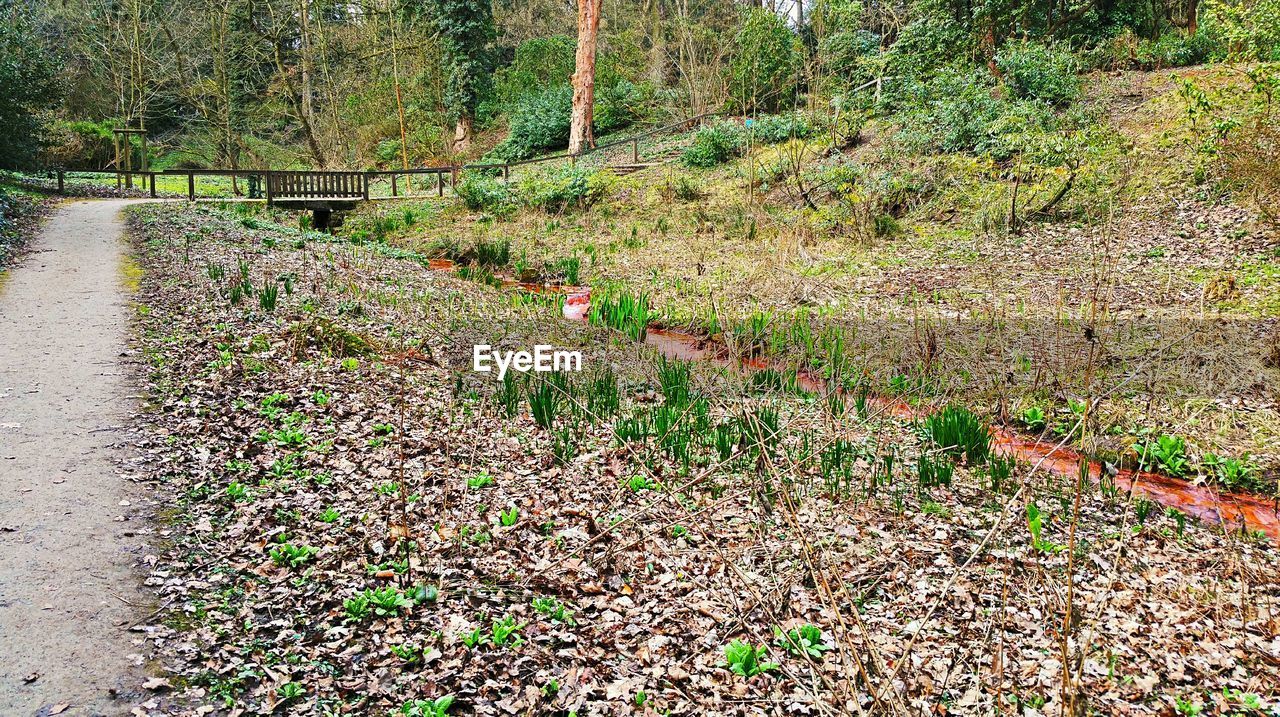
pixel 65 578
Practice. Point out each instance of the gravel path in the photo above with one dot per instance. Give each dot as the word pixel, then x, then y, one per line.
pixel 68 592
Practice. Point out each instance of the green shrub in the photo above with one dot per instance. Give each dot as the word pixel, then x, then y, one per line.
pixel 714 145
pixel 545 63
pixel 846 49
pixel 554 190
pixel 1244 30
pixel 388 150
pixel 540 121
pixel 771 129
pixel 1171 49
pixel 619 104
pixel 1034 71
pixel 957 111
pixel 483 193
pixel 540 64
pixel 1174 49
pixel 950 112
pixel 566 187
pixel 81 143
pixel 762 73
pixel 925 45
pixel 14 205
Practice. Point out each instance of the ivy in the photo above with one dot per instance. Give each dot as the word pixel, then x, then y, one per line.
pixel 467 31
pixel 28 88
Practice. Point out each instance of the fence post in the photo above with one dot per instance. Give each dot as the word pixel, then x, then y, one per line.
pixel 60 181
pixel 440 183
pixel 153 185
pixel 394 191
pixel 635 151
pixel 506 174
pixel 270 180
pixel 191 186
pixel 365 188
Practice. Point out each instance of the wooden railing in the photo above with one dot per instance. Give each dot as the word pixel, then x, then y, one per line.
pixel 395 175
pixel 326 184
pixel 634 140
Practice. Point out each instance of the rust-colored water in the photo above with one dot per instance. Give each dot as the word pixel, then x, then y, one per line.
pixel 450 266
pixel 1202 501
pixel 680 345
pixel 1212 506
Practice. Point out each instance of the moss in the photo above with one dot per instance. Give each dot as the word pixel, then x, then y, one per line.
pixel 131 274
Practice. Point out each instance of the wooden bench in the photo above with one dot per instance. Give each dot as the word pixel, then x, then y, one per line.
pixel 315 187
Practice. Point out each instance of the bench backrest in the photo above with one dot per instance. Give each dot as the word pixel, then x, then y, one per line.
pixel 307 185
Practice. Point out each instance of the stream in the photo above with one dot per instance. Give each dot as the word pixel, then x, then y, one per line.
pixel 1204 502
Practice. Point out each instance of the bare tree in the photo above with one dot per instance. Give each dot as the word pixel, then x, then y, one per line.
pixel 277 31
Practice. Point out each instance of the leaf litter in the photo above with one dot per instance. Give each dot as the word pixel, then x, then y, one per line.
pixel 333 549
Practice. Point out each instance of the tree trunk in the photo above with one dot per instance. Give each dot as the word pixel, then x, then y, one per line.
pixel 304 55
pixel 462 135
pixel 657 46
pixel 395 76
pixel 584 76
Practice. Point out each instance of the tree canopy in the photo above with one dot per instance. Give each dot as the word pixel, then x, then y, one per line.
pixel 323 83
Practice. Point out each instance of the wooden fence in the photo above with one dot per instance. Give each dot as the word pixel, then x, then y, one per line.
pixel 332 184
